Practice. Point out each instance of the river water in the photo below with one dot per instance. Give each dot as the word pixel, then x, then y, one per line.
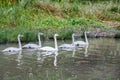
pixel 99 61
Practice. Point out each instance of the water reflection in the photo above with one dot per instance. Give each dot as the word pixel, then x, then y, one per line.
pixel 29 51
pixel 19 58
pixel 42 55
pixel 30 74
pixel 98 61
pixel 55 58
pixel 85 51
pixel 73 52
pixel 40 59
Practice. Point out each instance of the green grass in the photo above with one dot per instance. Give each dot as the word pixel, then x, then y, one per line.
pixel 55 16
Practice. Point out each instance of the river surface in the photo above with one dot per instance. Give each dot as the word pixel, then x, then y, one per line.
pixel 99 61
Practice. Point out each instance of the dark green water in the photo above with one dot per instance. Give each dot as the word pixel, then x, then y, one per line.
pixel 100 61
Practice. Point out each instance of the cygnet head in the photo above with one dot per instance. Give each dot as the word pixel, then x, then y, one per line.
pixel 40 33
pixel 87 32
pixel 19 35
pixel 73 34
pixel 56 35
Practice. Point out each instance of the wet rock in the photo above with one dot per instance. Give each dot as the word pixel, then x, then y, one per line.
pixel 117 35
pixel 107 33
pixel 95 34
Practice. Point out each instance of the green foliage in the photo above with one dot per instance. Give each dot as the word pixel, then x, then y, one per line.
pixel 117 28
pixel 115 9
pixel 29 36
pixel 55 16
pixel 4 36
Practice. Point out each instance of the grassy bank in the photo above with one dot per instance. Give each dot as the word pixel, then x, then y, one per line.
pixel 29 17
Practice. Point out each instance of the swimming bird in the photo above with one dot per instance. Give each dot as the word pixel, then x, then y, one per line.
pixel 14 49
pixel 82 43
pixel 50 49
pixel 32 45
pixel 68 47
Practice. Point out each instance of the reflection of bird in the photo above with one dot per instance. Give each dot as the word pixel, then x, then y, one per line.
pixel 86 51
pixel 14 49
pixel 68 47
pixel 55 60
pixel 82 43
pixel 19 58
pixel 38 56
pixel 50 49
pixel 42 55
pixel 32 45
pixel 73 52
